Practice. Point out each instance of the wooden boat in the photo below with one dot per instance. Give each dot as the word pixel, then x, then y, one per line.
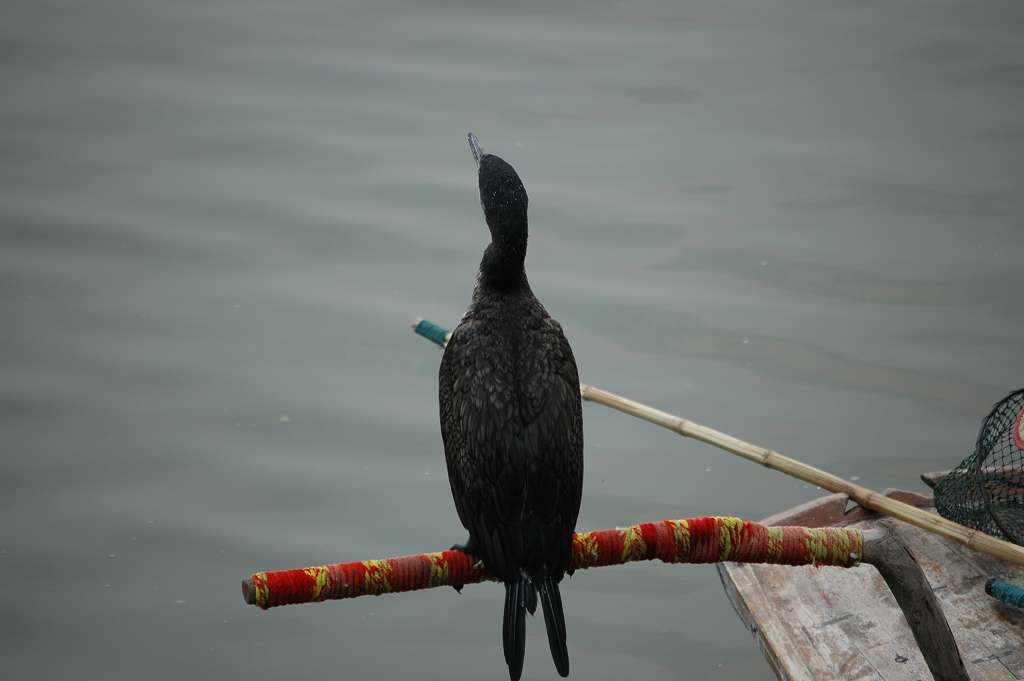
pixel 820 624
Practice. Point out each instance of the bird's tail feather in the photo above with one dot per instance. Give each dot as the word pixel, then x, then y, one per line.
pixel 513 634
pixel 554 621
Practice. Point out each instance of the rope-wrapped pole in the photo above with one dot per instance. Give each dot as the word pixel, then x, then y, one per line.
pixel 709 539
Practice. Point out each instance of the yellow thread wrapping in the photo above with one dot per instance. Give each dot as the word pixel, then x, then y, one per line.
pixel 378 576
pixel 633 545
pixel 438 569
pixel 774 544
pixel 588 549
pixel 681 534
pixel 729 536
pixel 320 578
pixel 847 548
pixel 840 549
pixel 259 585
pixel 817 549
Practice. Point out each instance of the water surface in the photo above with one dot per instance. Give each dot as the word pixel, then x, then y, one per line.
pixel 799 224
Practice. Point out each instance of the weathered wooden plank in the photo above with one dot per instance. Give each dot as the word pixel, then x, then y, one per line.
pixel 909 585
pixel 840 624
pixel 1014 663
pixel 798 647
pixel 881 634
pixel 989 670
pixel 984 631
pixel 771 645
pixel 814 619
pixel 813 624
pixel 943 563
pixel 981 563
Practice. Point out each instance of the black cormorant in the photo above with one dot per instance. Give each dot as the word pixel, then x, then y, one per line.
pixel 512 424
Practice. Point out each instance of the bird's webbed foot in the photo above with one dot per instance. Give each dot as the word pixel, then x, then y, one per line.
pixel 469 548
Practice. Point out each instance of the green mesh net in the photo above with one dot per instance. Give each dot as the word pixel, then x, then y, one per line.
pixel 986 491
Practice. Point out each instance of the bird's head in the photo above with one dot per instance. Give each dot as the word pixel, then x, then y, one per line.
pixel 502 197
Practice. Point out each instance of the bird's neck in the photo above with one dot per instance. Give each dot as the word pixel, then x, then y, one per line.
pixel 503 264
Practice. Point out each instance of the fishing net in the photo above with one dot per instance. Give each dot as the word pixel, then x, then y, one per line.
pixel 986 491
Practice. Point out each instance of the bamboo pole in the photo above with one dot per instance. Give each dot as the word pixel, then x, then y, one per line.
pixel 930 522
pixel 768 458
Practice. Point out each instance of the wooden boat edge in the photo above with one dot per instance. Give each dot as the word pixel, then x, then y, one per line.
pixel 786 655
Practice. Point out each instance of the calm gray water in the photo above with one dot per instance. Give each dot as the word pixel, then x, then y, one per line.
pixel 800 224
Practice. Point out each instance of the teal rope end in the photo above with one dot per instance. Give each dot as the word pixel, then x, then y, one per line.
pixel 1004 592
pixel 431 332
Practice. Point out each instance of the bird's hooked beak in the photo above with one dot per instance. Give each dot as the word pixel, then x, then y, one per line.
pixel 475 148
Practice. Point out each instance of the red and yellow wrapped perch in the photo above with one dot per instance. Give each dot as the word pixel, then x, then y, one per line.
pixel 694 540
